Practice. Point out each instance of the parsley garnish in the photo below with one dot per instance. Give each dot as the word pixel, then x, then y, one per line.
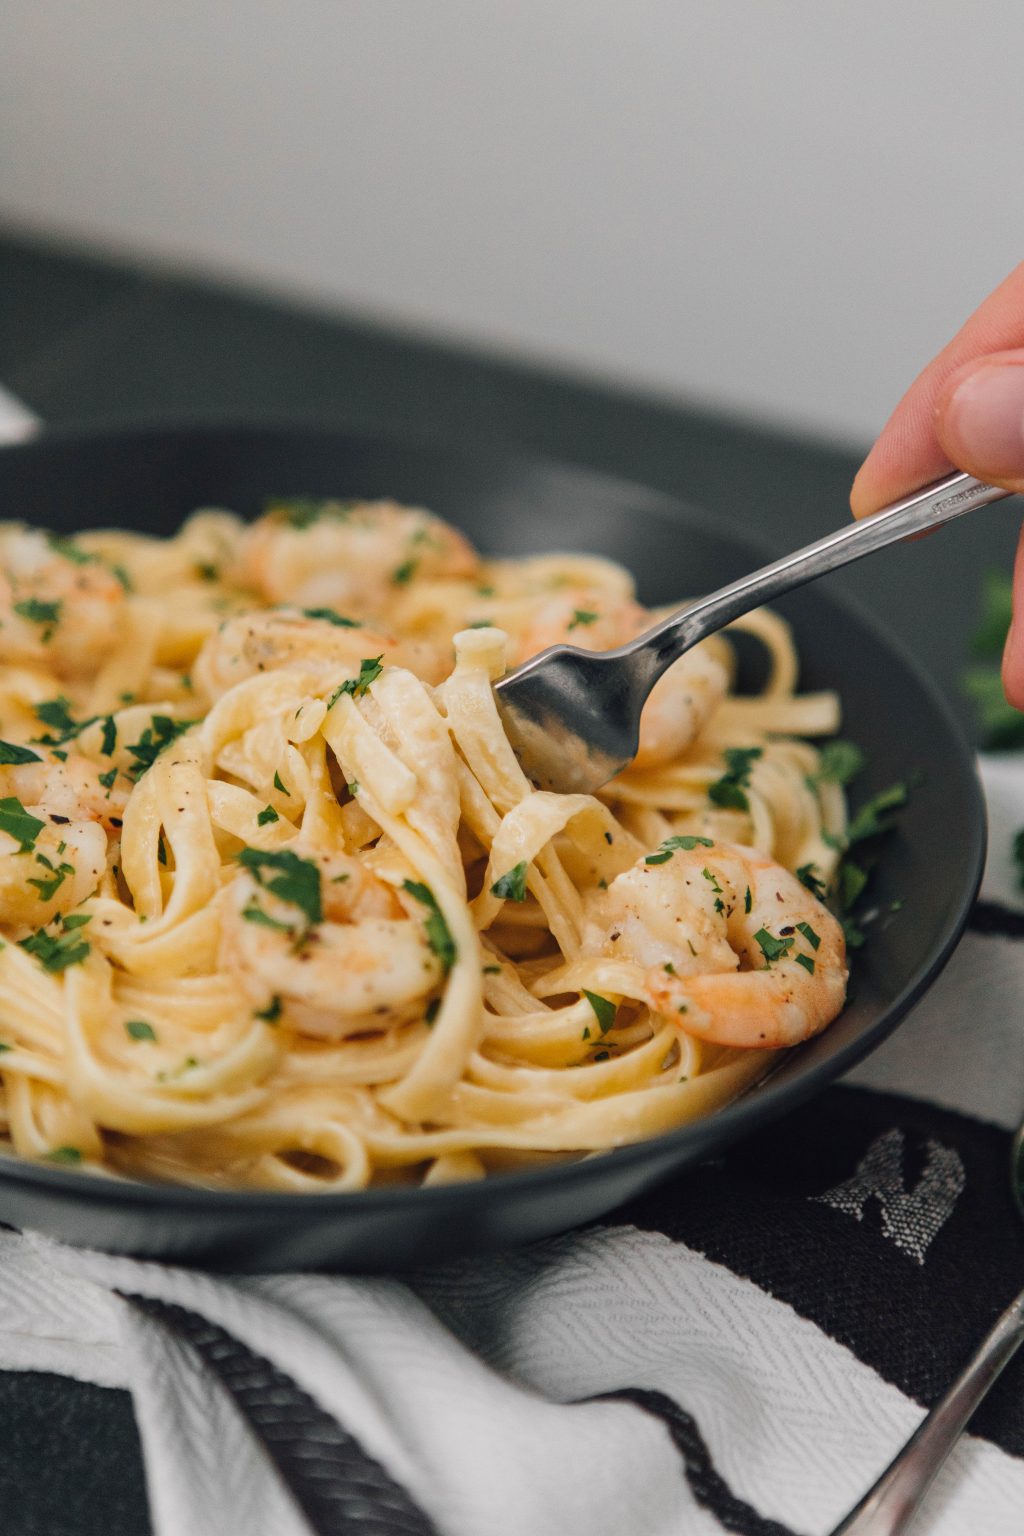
pixel 813 939
pixel 107 780
pixel 55 713
pixel 512 885
pixel 301 512
pixel 671 844
pixel 272 1012
pixel 157 736
pixel 877 815
pixel 9 753
pixel 805 874
pixel 433 1009
pixel 370 669
pixel 255 914
pixel 70 550
pixel 604 1009
pixel 329 615
pixel 63 1155
pixel 56 951
pixel 138 1029
pixel 404 572
pixel 729 791
pixel 840 762
pixel 49 885
pixel 279 785
pixel 285 875
pixel 806 962
pixel 772 948
pixel 747 900
pixel 851 882
pixel 438 933
pixel 109 741
pixel 266 815
pixel 582 616
pixel 45 614
pixel 15 820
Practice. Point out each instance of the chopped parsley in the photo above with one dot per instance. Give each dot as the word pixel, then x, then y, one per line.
pixel 65 946
pixel 492 970
pixel 49 885
pixel 433 1009
pixel 806 962
pixel 138 1029
pixel 272 1012
pixel 107 780
pixel 278 784
pixel 729 792
pixel 370 669
pixel 10 753
pixel 851 881
pixel 840 762
pixel 404 573
pixel 266 815
pixel 156 738
pixel 207 571
pixel 69 1155
pixel 747 900
pixel 604 1010
pixel 512 885
pixel 331 617
pixel 672 844
pixel 45 614
pixel 772 948
pixel 56 714
pixel 878 814
pixel 18 823
pixel 109 741
pixel 253 913
pixel 69 550
pixel 813 939
pixel 301 512
pixel 582 616
pixel 438 933
pixel 669 968
pixel 814 883
pixel 285 875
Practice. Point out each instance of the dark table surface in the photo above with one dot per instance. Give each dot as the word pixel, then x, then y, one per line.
pixel 83 340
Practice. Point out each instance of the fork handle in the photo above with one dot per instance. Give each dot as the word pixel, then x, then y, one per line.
pixel 928 508
pixel 888 1507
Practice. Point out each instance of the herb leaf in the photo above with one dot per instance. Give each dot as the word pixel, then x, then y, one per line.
pixel 582 616
pixel 157 736
pixel 370 669
pixel 670 845
pixel 15 820
pixel 138 1029
pixel 267 814
pixel 729 792
pixel 512 885
pixel 814 883
pixel 291 878
pixel 10 753
pixel 330 617
pixel 877 815
pixel 772 948
pixel 56 951
pixel 604 1009
pixel 438 933
pixel 45 614
pixel 840 762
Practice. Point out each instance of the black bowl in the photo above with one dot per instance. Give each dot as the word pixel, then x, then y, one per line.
pixel 151 477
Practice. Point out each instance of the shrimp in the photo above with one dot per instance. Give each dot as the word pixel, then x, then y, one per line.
pixel 65 860
pixel 265 642
pixel 58 610
pixel 352 557
pixel 735 950
pixel 681 702
pixel 359 967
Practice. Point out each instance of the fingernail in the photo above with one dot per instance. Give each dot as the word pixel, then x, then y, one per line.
pixel 986 419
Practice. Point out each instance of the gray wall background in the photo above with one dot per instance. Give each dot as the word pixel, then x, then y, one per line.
pixel 782 207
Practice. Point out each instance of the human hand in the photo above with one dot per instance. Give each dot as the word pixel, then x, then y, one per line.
pixel 965 411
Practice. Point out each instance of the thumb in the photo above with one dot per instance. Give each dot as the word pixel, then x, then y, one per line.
pixel 979 418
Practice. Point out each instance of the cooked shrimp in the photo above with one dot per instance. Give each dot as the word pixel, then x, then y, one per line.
pixel 59 870
pixel 358 968
pixel 266 642
pixel 680 703
pixel 736 950
pixel 57 610
pixel 352 557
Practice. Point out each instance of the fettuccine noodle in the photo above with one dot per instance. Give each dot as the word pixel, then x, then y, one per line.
pixel 280 908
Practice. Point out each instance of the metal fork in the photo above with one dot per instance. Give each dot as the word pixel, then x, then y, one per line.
pixel 573 716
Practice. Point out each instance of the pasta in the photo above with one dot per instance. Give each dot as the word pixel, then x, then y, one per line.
pixel 280 908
